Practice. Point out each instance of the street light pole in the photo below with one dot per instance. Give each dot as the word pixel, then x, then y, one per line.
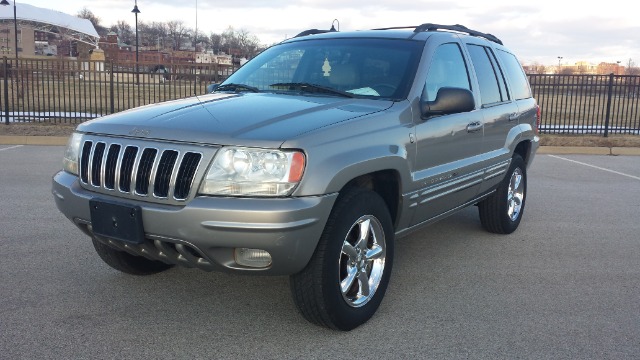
pixel 15 25
pixel 559 63
pixel 136 11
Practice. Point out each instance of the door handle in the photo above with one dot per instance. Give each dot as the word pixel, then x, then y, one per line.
pixel 514 116
pixel 474 127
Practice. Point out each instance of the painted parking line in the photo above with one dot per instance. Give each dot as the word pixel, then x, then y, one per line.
pixel 595 167
pixel 11 147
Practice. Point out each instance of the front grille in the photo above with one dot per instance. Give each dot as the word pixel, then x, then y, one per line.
pixel 139 170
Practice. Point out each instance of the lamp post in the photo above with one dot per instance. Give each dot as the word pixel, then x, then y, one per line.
pixel 618 67
pixel 195 54
pixel 136 11
pixel 15 25
pixel 559 63
pixel 6 88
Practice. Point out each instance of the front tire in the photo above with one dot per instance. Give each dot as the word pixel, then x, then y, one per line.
pixel 501 212
pixel 127 263
pixel 345 281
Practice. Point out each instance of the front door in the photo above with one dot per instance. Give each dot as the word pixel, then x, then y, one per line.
pixel 446 173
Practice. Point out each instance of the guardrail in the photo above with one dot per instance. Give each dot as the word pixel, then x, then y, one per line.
pixel 73 91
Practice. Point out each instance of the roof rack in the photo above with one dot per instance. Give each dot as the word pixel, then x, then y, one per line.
pixel 313 32
pixel 458 28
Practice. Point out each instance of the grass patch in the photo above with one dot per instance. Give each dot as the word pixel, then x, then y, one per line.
pixel 36 129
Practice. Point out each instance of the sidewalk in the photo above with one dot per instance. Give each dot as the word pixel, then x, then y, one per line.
pixel 62 140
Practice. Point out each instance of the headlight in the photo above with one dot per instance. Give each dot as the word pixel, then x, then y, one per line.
pixel 71 155
pixel 253 172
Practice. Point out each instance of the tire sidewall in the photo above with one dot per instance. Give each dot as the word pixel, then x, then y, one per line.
pixel 508 224
pixel 344 316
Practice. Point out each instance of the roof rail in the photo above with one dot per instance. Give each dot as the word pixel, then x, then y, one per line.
pixel 313 32
pixel 458 28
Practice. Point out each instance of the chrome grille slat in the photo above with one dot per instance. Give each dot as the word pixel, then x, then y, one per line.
pixel 144 170
pixel 97 161
pixel 111 166
pixel 186 174
pixel 127 167
pixel 164 171
pixel 158 172
pixel 84 161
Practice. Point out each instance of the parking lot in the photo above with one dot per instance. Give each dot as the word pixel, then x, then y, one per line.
pixel 565 285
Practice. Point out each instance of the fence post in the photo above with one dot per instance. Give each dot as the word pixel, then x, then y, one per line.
pixel 111 90
pixel 609 96
pixel 6 92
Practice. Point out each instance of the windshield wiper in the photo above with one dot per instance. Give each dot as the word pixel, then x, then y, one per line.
pixel 313 88
pixel 237 87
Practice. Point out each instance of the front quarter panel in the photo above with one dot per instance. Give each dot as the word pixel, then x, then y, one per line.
pixel 339 153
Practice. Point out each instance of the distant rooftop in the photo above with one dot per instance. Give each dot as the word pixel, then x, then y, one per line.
pixel 48 20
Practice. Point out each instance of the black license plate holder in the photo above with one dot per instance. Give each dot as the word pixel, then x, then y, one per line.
pixel 117 221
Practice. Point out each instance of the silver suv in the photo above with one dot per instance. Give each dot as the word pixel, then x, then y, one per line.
pixel 310 161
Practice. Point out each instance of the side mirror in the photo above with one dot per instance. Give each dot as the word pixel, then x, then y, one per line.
pixel 211 88
pixel 449 100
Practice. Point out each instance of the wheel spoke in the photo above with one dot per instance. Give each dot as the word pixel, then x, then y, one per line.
pixel 375 252
pixel 349 250
pixel 363 281
pixel 516 182
pixel 346 284
pixel 365 227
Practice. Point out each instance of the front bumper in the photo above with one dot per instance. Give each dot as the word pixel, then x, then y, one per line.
pixel 205 232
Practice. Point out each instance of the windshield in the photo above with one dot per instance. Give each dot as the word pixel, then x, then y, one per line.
pixel 374 68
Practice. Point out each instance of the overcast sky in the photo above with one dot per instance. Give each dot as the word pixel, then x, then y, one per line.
pixel 537 31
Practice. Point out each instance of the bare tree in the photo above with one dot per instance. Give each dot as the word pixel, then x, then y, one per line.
pixel 215 40
pixel 95 20
pixel 124 31
pixel 240 43
pixel 177 32
pixel 631 68
pixel 159 33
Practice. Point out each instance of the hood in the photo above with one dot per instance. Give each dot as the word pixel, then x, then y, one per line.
pixel 249 119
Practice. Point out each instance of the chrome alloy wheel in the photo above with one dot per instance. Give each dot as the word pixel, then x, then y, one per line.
pixel 362 261
pixel 515 194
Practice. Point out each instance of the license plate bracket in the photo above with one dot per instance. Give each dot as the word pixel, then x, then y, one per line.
pixel 117 221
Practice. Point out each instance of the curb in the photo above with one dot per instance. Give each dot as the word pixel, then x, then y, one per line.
pixel 584 150
pixel 587 150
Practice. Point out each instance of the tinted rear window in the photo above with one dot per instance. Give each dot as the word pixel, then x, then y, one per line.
pixel 517 78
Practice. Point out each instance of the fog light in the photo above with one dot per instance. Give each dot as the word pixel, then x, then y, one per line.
pixel 252 257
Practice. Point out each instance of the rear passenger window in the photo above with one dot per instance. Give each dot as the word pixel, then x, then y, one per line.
pixel 447 69
pixel 517 77
pixel 492 85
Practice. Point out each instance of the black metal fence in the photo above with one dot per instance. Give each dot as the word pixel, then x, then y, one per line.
pixel 588 104
pixel 72 91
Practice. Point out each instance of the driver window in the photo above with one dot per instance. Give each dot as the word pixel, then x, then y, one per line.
pixel 447 69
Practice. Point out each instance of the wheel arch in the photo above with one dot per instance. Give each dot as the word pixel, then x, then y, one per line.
pixel 385 183
pixel 524 150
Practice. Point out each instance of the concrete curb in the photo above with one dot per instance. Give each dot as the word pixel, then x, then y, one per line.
pixel 586 150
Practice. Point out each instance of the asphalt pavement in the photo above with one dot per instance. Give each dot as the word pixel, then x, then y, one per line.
pixel 565 285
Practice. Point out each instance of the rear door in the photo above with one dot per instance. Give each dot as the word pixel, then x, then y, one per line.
pixel 500 111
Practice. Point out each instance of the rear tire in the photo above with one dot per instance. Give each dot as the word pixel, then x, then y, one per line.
pixel 501 212
pixel 127 263
pixel 346 279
